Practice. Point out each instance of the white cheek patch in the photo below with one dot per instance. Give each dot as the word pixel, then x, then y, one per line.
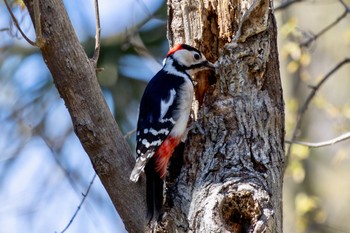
pixel 184 57
pixel 165 104
pixel 169 68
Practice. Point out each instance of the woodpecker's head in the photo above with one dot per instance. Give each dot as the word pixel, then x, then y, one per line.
pixel 185 58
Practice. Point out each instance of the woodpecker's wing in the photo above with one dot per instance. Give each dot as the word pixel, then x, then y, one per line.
pixel 157 117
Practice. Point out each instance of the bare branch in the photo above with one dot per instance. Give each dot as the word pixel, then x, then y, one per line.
pixel 344 5
pixel 137 43
pixel 4 29
pixel 333 141
pixel 310 97
pixel 128 134
pixel 17 24
pixel 57 160
pixel 37 22
pixel 324 30
pixel 286 4
pixel 98 35
pixel 81 203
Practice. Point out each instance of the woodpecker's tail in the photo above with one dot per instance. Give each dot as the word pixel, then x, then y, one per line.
pixel 154 190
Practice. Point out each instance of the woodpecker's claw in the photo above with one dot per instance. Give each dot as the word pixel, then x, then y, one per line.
pixel 199 127
pixel 194 127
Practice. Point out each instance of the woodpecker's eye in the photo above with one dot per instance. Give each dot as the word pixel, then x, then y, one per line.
pixel 196 56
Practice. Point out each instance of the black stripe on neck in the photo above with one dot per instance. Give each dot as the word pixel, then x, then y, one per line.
pixel 178 66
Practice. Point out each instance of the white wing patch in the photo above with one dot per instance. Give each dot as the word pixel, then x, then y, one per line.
pixel 154 143
pixel 166 120
pixel 155 132
pixel 164 105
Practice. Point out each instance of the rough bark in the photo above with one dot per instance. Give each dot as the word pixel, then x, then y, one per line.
pixel 75 78
pixel 231 178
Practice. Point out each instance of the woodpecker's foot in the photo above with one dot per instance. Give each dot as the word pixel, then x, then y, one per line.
pixel 195 127
pixel 198 127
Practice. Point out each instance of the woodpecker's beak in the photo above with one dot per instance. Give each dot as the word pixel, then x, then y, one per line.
pixel 208 65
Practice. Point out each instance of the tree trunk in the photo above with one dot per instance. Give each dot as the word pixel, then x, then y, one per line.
pixel 231 178
pixel 75 78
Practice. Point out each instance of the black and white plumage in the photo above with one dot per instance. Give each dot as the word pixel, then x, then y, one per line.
pixel 163 115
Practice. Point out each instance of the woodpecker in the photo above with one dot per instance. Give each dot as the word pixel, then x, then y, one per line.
pixel 163 115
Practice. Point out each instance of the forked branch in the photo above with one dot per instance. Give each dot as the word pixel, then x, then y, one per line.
pixel 310 97
pixel 17 25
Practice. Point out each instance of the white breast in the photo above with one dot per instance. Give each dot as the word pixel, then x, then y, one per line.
pixel 185 96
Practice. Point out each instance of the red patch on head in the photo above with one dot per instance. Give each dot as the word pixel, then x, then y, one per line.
pixel 174 49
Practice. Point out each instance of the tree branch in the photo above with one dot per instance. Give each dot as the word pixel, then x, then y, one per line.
pixel 17 24
pixel 286 4
pixel 308 100
pixel 333 141
pixel 37 24
pixel 345 5
pixel 75 78
pixel 128 134
pixel 80 205
pixel 97 36
pixel 4 29
pixel 324 30
pixel 90 185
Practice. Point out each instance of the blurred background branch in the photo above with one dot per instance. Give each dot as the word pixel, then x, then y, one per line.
pixel 286 4
pixel 330 142
pixel 17 24
pixel 309 98
pixel 328 27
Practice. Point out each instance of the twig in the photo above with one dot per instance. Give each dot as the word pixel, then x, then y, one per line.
pixel 333 141
pixel 58 162
pixel 142 4
pixel 324 30
pixel 4 29
pixel 308 100
pixel 137 43
pixel 17 24
pixel 97 36
pixel 81 203
pixel 344 5
pixel 128 134
pixel 37 22
pixel 286 4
